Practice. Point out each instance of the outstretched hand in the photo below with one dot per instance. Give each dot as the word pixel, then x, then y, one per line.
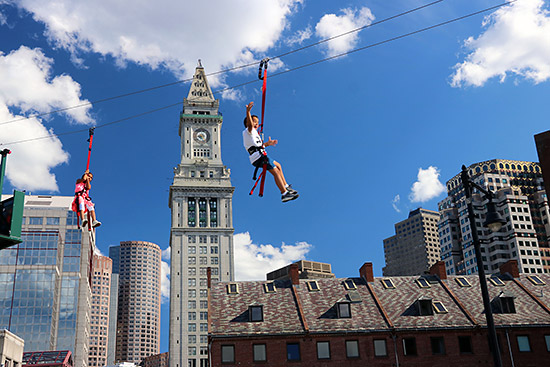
pixel 270 142
pixel 249 106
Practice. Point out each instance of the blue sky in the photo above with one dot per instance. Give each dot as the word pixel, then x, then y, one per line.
pixel 364 138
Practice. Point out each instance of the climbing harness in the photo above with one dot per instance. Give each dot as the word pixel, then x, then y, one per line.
pixel 263 163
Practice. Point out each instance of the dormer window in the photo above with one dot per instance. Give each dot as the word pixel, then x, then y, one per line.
pixel 463 282
pixel 270 287
pixel 344 310
pixel 350 284
pixel 424 306
pixel 536 280
pixel 256 313
pixel 504 303
pixel 388 283
pixel 312 285
pixel 232 288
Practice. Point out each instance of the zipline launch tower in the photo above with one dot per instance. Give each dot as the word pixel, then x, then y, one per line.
pixel 202 224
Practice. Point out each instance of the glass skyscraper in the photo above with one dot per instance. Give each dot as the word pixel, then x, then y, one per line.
pixel 44 281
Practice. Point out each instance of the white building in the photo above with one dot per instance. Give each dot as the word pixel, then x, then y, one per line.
pixel 201 227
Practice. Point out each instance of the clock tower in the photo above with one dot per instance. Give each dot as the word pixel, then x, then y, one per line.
pixel 202 226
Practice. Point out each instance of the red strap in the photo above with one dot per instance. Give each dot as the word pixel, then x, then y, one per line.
pixel 264 90
pixel 91 139
pixel 264 170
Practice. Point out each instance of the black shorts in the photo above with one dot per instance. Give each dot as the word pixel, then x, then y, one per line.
pixel 264 159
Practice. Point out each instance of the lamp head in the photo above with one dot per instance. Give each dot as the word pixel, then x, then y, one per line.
pixel 493 220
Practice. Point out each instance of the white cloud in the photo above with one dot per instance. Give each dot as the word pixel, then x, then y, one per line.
pixel 166 253
pixel 396 200
pixel 28 87
pixel 299 37
pixel 165 33
pixel 253 262
pixel 164 281
pixel 427 186
pixel 331 25
pixel 516 41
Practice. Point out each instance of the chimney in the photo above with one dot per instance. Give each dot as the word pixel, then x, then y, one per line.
pixel 366 272
pixel 294 274
pixel 439 269
pixel 510 267
pixel 209 277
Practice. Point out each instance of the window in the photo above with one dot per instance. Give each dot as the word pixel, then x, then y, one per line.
pixel 380 348
pixel 463 282
pixel 505 304
pixel 293 351
pixel 323 350
pixel 423 283
pixel 438 345
pixel 192 327
pixel 270 287
pixel 535 280
pixel 52 221
pixel 496 281
pixel 256 313
pixel 343 310
pixel 350 284
pixel 352 349
pixel 232 288
pixel 259 351
pixel 35 220
pixel 547 340
pixel 312 285
pixel 439 307
pixel 228 354
pixel 388 284
pixel 409 346
pixel 465 344
pixel 523 343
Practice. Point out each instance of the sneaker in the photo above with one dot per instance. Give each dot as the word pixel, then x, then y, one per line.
pixel 287 196
pixel 96 223
pixel 84 222
pixel 291 190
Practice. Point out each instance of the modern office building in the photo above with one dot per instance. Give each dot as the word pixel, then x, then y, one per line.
pixel 99 323
pixel 138 316
pixel 45 281
pixel 427 320
pixel 415 246
pixel 201 227
pixel 113 305
pixel 521 200
pixel 306 270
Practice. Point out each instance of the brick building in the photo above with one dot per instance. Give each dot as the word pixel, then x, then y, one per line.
pixel 158 360
pixel 425 320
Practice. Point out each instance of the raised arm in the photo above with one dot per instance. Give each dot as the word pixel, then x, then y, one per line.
pixel 249 116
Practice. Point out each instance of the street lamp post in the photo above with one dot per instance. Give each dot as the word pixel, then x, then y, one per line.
pixel 494 222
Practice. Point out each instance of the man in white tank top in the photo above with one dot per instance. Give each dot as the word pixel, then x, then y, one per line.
pixel 255 147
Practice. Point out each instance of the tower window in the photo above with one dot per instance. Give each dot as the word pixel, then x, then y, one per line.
pixel 213 212
pixel 192 214
pixel 202 212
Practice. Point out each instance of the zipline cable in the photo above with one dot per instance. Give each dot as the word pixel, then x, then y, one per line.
pixel 254 63
pixel 275 74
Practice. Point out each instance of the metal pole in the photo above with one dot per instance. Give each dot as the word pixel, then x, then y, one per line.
pixel 491 330
pixel 4 154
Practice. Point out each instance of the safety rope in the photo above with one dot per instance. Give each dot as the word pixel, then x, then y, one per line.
pixel 261 178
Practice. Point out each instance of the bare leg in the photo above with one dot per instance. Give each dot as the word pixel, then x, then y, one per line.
pixel 279 179
pixel 92 214
pixel 278 165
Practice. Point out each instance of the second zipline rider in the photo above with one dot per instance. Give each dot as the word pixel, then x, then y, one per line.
pixel 258 157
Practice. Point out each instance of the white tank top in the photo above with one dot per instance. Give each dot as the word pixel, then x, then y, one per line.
pixel 252 139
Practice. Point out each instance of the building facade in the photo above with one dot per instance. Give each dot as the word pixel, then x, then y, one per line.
pixel 201 227
pixel 415 246
pixel 427 320
pixel 520 199
pixel 306 269
pixel 158 360
pixel 101 298
pixel 11 349
pixel 139 297
pixel 45 280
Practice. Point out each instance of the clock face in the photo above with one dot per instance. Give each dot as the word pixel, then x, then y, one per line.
pixel 201 135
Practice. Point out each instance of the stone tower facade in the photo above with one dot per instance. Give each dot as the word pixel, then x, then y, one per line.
pixel 202 226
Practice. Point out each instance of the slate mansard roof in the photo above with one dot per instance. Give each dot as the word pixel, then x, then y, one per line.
pixel 297 309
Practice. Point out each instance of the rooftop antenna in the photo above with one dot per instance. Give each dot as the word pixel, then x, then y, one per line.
pixel 200 64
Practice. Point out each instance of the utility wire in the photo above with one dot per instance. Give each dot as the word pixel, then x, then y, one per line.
pixel 254 63
pixel 279 73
